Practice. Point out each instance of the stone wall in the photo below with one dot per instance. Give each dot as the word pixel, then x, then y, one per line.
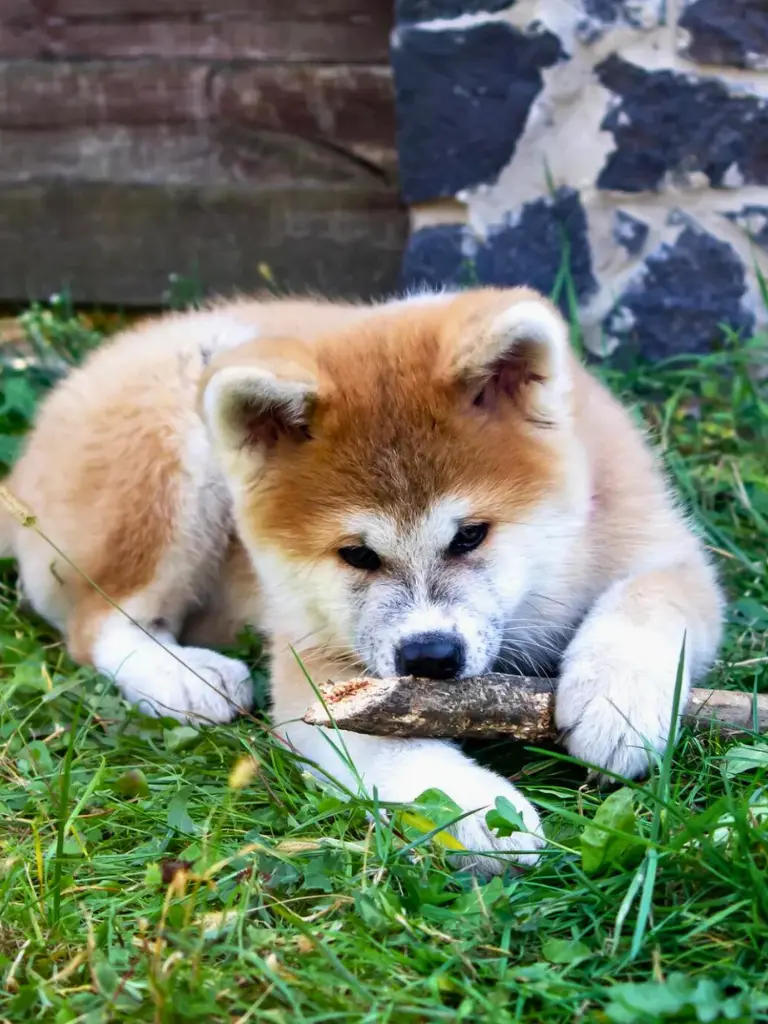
pixel 626 140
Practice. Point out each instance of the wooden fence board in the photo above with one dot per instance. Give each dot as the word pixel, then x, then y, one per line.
pixel 208 154
pixel 144 137
pixel 344 105
pixel 118 243
pixel 293 30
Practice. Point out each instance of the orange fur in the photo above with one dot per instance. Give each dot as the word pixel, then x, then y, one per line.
pixel 393 426
pixel 102 469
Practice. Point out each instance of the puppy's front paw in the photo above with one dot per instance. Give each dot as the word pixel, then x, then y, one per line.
pixel 200 687
pixel 476 789
pixel 398 771
pixel 614 701
pixel 489 854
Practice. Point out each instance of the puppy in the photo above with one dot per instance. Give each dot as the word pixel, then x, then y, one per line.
pixel 432 486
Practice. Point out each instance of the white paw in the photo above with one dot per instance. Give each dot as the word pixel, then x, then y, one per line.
pixel 400 770
pixel 488 854
pixel 614 700
pixel 476 789
pixel 201 687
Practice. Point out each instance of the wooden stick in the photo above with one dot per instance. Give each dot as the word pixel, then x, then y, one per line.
pixel 493 706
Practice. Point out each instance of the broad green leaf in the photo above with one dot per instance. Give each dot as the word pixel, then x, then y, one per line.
pixel 317 876
pixel 18 397
pixel 107 978
pixel 153 876
pixel 601 848
pixel 696 999
pixel 564 951
pixel 178 816
pixel 35 759
pixel 480 899
pixel 505 819
pixel 378 908
pixel 10 445
pixel 433 810
pixel 437 805
pixel 180 738
pixel 743 758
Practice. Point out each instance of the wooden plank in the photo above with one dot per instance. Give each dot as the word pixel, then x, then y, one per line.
pixel 19 42
pixel 118 243
pixel 116 172
pixel 349 105
pixel 205 154
pixel 233 39
pixel 212 8
pixel 38 94
pixel 345 105
pixel 21 32
pixel 18 11
pixel 230 39
pixel 351 31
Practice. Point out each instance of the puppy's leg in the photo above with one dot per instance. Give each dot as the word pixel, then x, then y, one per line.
pixel 400 770
pixel 136 644
pixel 617 683
pixel 233 604
pixel 152 670
pixel 151 535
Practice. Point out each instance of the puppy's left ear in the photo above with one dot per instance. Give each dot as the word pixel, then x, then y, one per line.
pixel 515 349
pixel 257 398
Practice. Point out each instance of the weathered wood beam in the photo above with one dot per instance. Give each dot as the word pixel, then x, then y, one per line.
pixel 140 138
pixel 272 30
pixel 114 243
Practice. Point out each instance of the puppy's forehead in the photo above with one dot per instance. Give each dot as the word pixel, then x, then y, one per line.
pixel 412 539
pixel 394 435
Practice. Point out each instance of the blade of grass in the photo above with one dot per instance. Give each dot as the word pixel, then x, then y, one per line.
pixel 663 788
pixel 63 818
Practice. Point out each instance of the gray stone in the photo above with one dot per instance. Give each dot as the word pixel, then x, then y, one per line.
pixel 462 99
pixel 611 11
pixel 428 10
pixel 437 257
pixel 601 15
pixel 531 249
pixel 589 30
pixel 604 10
pixel 668 123
pixel 753 220
pixel 727 32
pixel 630 232
pixel 682 297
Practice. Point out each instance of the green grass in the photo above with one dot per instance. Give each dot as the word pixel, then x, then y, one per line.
pixel 140 881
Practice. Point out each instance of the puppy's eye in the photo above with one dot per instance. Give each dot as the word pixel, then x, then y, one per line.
pixel 467 538
pixel 360 557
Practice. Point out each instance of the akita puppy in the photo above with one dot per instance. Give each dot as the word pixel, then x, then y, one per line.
pixel 432 486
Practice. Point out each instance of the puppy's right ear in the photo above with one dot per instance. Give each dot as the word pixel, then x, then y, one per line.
pixel 511 348
pixel 254 398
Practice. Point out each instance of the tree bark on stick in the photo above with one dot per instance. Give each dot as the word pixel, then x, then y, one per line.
pixel 492 707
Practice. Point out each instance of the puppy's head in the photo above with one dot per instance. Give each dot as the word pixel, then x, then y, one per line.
pixel 403 484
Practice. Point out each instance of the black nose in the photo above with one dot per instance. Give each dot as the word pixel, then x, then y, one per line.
pixel 432 656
